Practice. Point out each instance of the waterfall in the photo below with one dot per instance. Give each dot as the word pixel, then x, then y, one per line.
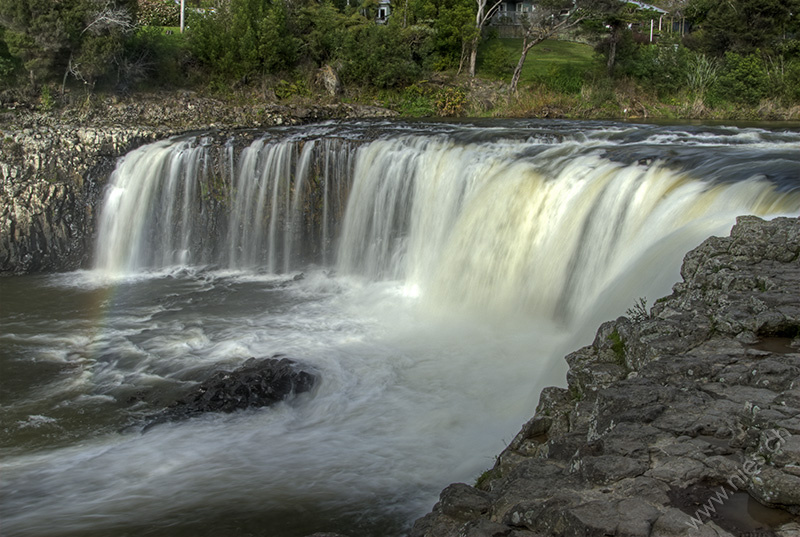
pixel 147 218
pixel 517 221
pixel 275 207
pixel 486 227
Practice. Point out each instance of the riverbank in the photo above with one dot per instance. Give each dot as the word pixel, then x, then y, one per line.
pixel 445 95
pixel 174 112
pixel 681 420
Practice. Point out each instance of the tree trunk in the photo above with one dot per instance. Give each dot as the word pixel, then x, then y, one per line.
pixel 473 55
pixel 612 54
pixel 518 69
pixel 463 59
pixel 527 45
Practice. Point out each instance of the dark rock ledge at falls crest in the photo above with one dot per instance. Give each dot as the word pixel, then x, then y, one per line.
pixel 697 399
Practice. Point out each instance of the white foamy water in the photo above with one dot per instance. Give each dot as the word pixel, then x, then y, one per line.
pixel 445 275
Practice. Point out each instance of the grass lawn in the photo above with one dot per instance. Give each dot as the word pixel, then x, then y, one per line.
pixel 543 57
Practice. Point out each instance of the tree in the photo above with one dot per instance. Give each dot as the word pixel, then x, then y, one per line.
pixel 385 55
pixel 744 26
pixel 7 63
pixel 324 29
pixel 617 20
pixel 485 10
pixel 80 37
pixel 102 43
pixel 551 17
pixel 454 24
pixel 244 37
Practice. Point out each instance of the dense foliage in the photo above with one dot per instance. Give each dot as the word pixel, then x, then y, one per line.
pixel 708 52
pixel 159 13
pixel 84 38
pixel 738 51
pixel 244 37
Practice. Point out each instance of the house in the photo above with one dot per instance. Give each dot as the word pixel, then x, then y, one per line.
pixel 384 10
pixel 510 11
pixel 507 19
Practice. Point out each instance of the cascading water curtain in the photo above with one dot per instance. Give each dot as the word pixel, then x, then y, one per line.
pixel 489 227
pixel 276 207
pixel 149 215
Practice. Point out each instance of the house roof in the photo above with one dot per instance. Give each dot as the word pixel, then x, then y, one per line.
pixel 642 5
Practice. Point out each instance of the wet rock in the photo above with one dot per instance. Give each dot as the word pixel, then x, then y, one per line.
pixel 776 488
pixel 50 185
pixel 668 414
pixel 257 383
pixel 462 502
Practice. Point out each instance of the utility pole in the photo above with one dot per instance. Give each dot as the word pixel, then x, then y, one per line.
pixel 183 8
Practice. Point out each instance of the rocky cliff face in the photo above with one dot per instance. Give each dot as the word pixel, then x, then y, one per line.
pixel 684 420
pixel 51 180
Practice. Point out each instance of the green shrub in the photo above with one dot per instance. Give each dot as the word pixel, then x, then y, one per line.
pixel 663 67
pixel 497 61
pixel 6 71
pixel 243 37
pixel 702 74
pixel 46 99
pixel 286 89
pixel 791 81
pixel 151 55
pixel 742 79
pixel 384 56
pixel 8 64
pixel 617 346
pixel 783 72
pixel 451 102
pixel 323 29
pixel 417 101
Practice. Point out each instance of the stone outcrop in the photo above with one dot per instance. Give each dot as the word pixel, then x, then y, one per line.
pixel 328 78
pixel 255 384
pixel 53 167
pixel 51 181
pixel 680 421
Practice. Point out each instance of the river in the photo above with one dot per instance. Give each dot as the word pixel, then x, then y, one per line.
pixel 433 275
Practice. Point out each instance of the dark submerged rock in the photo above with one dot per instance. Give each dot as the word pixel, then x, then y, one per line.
pixel 697 399
pixel 257 383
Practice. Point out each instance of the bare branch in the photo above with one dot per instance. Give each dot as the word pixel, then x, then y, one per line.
pixel 111 17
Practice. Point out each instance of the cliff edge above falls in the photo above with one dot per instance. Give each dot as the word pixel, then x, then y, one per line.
pixel 681 421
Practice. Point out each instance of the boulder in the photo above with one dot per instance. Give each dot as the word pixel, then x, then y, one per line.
pixel 257 383
pixel 329 79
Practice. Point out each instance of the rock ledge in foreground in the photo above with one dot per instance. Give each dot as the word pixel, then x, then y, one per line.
pixel 697 399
